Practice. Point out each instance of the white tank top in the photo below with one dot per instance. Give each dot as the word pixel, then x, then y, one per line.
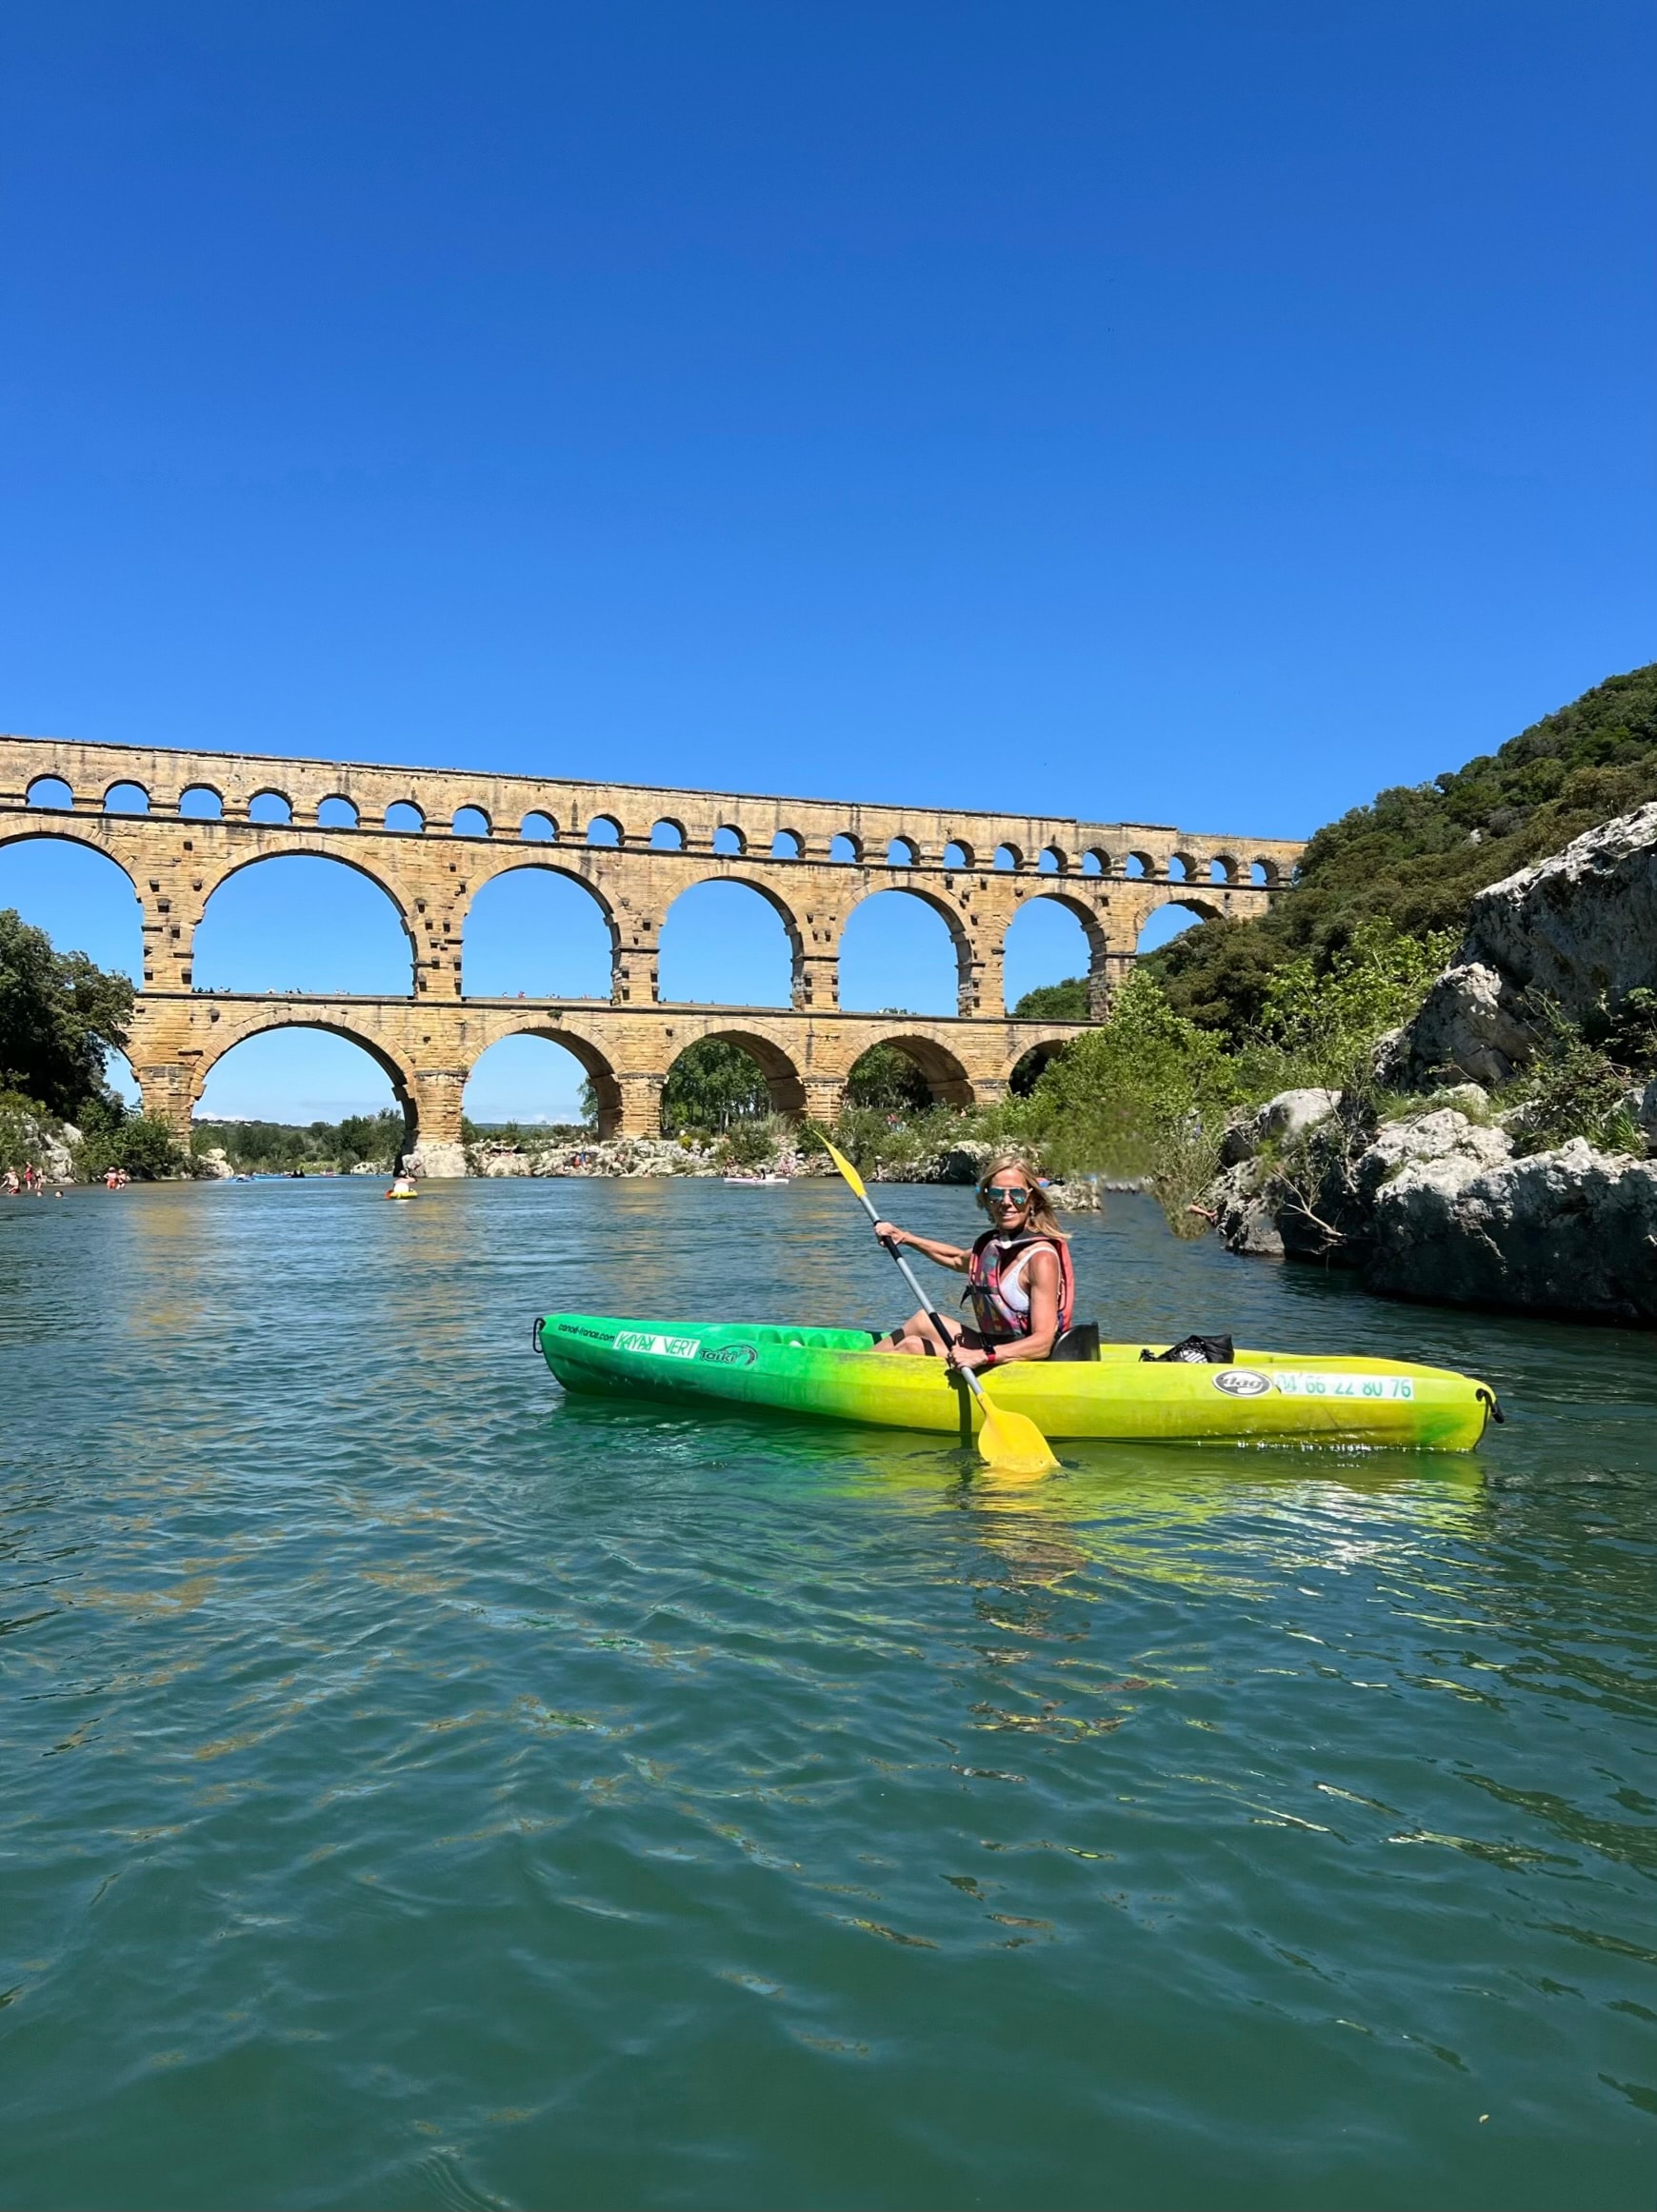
pixel 1012 1287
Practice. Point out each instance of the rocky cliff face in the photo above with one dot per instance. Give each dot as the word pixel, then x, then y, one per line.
pixel 1438 1206
pixel 1439 1203
pixel 1579 930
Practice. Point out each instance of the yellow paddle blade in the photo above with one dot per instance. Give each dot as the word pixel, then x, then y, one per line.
pixel 845 1167
pixel 1011 1443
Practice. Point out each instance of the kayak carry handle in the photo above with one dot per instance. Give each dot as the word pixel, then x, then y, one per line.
pixel 535 1332
pixel 1496 1413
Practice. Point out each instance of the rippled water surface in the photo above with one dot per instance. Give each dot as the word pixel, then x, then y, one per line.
pixel 422 1790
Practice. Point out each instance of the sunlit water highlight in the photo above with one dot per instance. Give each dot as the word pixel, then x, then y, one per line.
pixel 422 1790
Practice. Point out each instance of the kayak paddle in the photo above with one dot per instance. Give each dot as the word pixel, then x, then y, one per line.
pixel 1010 1442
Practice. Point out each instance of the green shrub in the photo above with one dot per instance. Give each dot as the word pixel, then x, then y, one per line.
pixel 1573 1089
pixel 1327 1023
pixel 1147 1094
pixel 753 1146
pixel 113 1137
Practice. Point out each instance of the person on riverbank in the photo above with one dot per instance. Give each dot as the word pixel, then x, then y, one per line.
pixel 1019 1280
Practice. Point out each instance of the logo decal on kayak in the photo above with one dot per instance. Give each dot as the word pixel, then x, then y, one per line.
pixel 728 1355
pixel 665 1348
pixel 1242 1383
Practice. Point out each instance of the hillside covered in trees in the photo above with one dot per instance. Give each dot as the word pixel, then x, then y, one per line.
pixel 1417 854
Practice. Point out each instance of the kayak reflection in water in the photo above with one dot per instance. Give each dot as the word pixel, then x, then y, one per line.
pixel 1019 1280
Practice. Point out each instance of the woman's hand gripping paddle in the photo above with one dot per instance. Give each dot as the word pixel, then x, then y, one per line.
pixel 1009 1442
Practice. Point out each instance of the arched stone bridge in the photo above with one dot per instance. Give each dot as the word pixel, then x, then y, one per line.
pixel 181 824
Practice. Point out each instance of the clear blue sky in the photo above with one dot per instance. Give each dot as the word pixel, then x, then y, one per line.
pixel 1193 412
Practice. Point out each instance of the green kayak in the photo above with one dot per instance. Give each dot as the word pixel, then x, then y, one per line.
pixel 837 1375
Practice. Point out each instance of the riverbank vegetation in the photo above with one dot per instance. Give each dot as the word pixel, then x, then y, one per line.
pixel 61 1016
pixel 1149 1093
pixel 278 1147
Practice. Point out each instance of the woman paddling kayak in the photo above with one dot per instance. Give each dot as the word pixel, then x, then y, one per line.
pixel 1018 1279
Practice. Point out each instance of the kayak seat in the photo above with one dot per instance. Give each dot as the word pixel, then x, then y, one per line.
pixel 1079 1342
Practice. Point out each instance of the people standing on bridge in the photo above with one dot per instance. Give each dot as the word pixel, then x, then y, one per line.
pixel 1020 1283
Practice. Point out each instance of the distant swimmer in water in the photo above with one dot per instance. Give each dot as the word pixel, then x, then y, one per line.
pixel 1019 1280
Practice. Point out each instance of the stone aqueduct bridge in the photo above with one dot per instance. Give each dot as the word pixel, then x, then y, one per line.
pixel 635 850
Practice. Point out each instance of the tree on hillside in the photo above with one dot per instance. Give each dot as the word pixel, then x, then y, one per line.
pixel 1146 1093
pixel 888 1082
pixel 713 1083
pixel 1417 854
pixel 59 1016
pixel 1056 1002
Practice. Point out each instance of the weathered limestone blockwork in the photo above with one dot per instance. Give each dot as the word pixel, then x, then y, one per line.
pixel 780 847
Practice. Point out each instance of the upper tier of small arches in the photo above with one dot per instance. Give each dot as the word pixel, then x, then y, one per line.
pixel 846 847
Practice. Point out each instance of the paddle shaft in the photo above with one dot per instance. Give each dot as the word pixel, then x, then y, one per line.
pixel 933 1315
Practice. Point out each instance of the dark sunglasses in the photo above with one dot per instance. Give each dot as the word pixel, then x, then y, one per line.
pixel 999 1194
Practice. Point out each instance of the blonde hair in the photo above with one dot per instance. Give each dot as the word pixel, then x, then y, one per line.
pixel 1039 1216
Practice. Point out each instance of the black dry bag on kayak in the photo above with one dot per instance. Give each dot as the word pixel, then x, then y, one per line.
pixel 1198 1351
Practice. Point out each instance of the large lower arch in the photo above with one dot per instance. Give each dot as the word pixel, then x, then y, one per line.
pixel 947 1079
pixel 886 1081
pixel 508 949
pixel 305 916
pixel 160 1084
pixel 699 944
pixel 71 888
pixel 594 1065
pixel 782 1078
pixel 1031 1064
pixel 875 975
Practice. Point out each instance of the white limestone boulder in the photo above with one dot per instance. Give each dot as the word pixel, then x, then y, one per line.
pixel 1568 1231
pixel 1466 1025
pixel 1577 929
pixel 1281 1120
pixel 434 1157
pixel 1244 1204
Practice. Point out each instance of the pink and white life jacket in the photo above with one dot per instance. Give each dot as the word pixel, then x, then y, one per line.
pixel 996 1289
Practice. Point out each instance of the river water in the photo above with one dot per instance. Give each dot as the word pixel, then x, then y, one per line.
pixel 421 1790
